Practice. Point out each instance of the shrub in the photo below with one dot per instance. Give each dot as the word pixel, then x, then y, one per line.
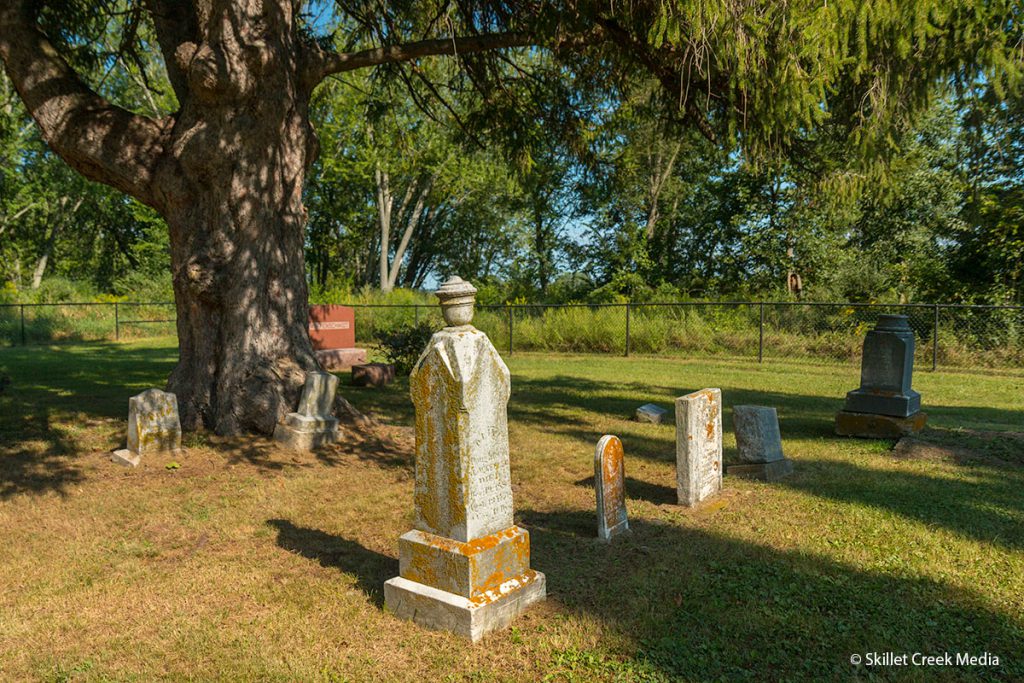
pixel 403 345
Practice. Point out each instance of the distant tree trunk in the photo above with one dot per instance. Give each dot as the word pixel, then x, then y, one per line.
pixel 412 219
pixel 659 176
pixel 540 245
pixel 51 239
pixel 384 205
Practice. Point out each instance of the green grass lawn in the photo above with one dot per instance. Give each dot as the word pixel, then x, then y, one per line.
pixel 251 563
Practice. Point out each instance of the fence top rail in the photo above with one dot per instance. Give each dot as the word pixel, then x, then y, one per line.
pixel 631 304
pixel 89 303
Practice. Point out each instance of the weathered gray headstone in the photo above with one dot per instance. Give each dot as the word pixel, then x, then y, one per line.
pixel 698 446
pixel 884 405
pixel 650 413
pixel 757 433
pixel 153 426
pixel 312 425
pixel 759 444
pixel 465 567
pixel 610 485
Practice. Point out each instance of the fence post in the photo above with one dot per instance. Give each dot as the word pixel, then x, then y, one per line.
pixel 760 336
pixel 23 324
pixel 935 339
pixel 117 322
pixel 510 330
pixel 627 329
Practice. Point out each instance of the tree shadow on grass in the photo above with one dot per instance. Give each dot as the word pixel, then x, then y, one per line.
pixel 370 568
pixel 985 503
pixel 25 468
pixel 703 606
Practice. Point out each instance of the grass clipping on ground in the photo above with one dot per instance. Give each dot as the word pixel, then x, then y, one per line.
pixel 251 563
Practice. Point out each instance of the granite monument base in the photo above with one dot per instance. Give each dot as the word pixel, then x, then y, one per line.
pixel 471 618
pixel 763 471
pixel 467 588
pixel 870 426
pixel 340 359
pixel 303 432
pixel 882 402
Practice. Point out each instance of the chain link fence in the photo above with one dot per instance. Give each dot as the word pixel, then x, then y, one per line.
pixel 948 335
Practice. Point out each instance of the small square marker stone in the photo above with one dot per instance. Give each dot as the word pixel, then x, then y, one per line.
pixel 153 427
pixel 650 413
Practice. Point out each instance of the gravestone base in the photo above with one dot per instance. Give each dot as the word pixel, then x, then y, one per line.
pixel 870 426
pixel 373 374
pixel 882 402
pixel 123 456
pixel 440 610
pixel 340 359
pixel 763 471
pixel 304 433
pixel 468 569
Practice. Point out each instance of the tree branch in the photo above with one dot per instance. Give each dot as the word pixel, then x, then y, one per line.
pixel 177 32
pixel 98 139
pixel 325 63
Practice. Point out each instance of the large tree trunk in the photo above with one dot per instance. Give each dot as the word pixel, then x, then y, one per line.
pixel 237 228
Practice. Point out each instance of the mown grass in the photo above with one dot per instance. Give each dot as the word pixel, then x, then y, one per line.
pixel 249 563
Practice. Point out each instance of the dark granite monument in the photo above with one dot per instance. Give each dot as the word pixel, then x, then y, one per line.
pixel 884 406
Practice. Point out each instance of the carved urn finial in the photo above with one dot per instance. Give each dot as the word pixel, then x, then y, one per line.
pixel 456 297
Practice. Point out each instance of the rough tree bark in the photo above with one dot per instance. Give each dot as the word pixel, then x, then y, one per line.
pixel 226 172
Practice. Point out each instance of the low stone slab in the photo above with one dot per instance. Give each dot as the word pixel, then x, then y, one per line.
pixel 125 457
pixel 440 610
pixel 757 434
pixel 373 374
pixel 610 485
pixel 306 439
pixel 340 359
pixel 764 471
pixel 650 413
pixel 870 426
pixel 698 446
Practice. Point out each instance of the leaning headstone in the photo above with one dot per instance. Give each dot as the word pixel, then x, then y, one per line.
pixel 698 446
pixel 759 444
pixel 465 567
pixel 312 425
pixel 153 426
pixel 610 483
pixel 650 413
pixel 884 406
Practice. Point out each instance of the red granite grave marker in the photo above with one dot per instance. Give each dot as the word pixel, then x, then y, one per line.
pixel 332 329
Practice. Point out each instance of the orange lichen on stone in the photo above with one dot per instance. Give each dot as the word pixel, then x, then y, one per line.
pixel 465 569
pixel 609 472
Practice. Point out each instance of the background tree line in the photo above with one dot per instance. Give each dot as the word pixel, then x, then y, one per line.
pixel 590 194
